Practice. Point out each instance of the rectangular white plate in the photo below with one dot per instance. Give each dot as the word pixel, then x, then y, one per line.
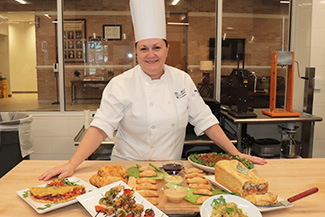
pixel 261 208
pixel 90 200
pixel 46 207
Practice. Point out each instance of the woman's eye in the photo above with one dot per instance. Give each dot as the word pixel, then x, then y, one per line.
pixel 156 48
pixel 143 49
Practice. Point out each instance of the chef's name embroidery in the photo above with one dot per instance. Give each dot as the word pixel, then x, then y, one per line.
pixel 181 94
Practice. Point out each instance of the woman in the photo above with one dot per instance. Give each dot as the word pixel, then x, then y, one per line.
pixel 150 114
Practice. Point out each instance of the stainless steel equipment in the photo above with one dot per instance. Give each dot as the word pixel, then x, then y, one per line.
pixel 267 148
pixel 290 147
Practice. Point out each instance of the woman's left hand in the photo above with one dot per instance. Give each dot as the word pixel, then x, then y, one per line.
pixel 253 159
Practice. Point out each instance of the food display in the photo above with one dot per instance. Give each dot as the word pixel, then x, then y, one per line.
pixel 222 208
pixel 237 178
pixel 210 159
pixel 107 175
pixel 59 190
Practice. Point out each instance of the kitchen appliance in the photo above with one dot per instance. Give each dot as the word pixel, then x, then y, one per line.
pixel 290 147
pixel 267 148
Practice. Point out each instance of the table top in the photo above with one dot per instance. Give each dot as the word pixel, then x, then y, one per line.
pixel 286 178
pixel 263 119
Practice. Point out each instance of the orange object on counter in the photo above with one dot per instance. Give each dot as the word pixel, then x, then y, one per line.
pixel 273 111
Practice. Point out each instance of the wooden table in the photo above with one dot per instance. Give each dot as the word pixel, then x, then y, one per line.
pixel 287 177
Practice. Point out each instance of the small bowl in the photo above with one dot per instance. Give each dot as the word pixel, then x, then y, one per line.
pixel 172 168
pixel 174 179
pixel 175 195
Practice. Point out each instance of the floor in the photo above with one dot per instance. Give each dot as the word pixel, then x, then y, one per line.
pixel 29 102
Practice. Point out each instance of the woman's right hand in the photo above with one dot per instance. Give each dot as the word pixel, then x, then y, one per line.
pixel 62 171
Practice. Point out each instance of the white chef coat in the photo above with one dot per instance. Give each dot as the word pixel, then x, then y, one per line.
pixel 151 116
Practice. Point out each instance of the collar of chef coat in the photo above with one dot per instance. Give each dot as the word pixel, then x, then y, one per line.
pixel 149 80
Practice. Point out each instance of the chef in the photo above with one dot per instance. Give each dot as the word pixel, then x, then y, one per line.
pixel 149 105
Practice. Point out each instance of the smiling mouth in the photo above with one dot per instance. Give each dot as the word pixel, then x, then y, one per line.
pixel 152 61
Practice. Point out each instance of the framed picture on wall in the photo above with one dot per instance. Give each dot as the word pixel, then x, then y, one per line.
pixel 75 44
pixel 112 32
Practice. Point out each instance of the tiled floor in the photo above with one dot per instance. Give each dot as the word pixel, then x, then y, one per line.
pixel 29 102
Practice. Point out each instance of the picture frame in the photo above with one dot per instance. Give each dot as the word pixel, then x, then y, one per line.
pixel 112 32
pixel 75 42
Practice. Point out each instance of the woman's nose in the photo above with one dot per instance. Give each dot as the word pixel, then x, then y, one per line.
pixel 151 52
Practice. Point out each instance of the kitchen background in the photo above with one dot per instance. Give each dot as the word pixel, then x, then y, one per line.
pixel 28 51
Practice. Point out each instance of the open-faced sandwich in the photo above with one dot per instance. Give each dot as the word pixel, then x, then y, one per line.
pixel 59 190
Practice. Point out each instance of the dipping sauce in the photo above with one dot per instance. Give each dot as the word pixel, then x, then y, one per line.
pixel 175 195
pixel 174 179
pixel 172 168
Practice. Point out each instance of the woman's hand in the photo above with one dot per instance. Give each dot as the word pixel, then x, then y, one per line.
pixel 253 159
pixel 63 171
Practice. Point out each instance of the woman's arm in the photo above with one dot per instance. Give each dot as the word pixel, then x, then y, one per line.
pixel 90 142
pixel 217 135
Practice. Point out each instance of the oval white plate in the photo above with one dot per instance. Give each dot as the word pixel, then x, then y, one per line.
pixel 249 208
pixel 205 168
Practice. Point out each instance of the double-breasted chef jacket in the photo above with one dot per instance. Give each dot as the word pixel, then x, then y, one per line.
pixel 151 116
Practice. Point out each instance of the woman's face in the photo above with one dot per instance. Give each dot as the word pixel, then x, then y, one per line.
pixel 152 54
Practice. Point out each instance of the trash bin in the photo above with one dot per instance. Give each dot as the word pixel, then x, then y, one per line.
pixel 15 139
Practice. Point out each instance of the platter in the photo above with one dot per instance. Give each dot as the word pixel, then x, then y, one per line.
pixel 205 168
pixel 47 207
pixel 90 200
pixel 249 208
pixel 260 208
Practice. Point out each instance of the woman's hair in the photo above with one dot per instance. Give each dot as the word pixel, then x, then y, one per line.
pixel 136 43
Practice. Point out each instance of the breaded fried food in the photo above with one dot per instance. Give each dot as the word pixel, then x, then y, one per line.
pixel 192 175
pixel 197 180
pixel 193 170
pixel 148 193
pixel 152 200
pixel 148 173
pixel 262 199
pixel 146 186
pixel 143 168
pixel 201 199
pixel 203 192
pixel 132 182
pixel 117 171
pixel 146 180
pixel 201 186
pixel 100 181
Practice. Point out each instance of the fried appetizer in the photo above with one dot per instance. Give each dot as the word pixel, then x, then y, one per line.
pixel 132 182
pixel 193 170
pixel 152 200
pixel 100 181
pixel 56 194
pixel 237 178
pixel 201 186
pixel 148 193
pixel 146 186
pixel 146 180
pixel 262 199
pixel 117 171
pixel 143 168
pixel 201 199
pixel 192 175
pixel 148 173
pixel 197 180
pixel 203 192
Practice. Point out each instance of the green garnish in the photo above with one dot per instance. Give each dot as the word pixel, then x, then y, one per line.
pixel 241 169
pixel 219 200
pixel 26 194
pixel 46 206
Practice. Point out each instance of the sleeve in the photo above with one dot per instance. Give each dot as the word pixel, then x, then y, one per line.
pixel 112 107
pixel 200 115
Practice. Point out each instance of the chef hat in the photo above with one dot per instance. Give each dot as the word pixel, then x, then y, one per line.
pixel 148 17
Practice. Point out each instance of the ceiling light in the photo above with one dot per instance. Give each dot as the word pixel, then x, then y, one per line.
pixel 285 2
pixel 21 2
pixel 175 2
pixel 175 23
pixel 48 16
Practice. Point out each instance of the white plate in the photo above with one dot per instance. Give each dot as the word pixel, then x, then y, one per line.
pixel 90 200
pixel 205 168
pixel 46 207
pixel 260 208
pixel 248 208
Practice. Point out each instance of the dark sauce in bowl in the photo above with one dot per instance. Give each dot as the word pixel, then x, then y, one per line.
pixel 172 168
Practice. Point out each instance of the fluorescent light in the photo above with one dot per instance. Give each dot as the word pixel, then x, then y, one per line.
pixel 284 2
pixel 175 23
pixel 21 2
pixel 175 2
pixel 48 16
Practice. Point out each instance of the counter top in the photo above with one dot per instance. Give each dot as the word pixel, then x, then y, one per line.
pixel 286 178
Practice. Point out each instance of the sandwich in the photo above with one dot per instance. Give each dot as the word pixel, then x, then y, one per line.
pixel 233 175
pixel 60 190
